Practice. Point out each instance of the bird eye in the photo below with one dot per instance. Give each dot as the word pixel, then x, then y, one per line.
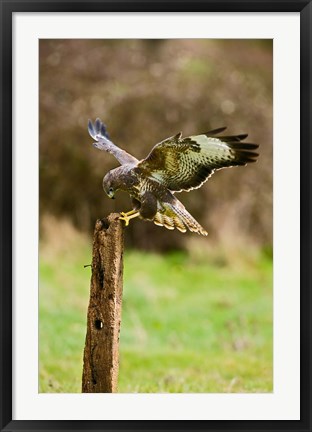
pixel 111 190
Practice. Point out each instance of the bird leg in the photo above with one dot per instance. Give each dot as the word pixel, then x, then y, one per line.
pixel 129 215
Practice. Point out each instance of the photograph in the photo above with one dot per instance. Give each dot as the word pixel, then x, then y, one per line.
pixel 155 215
pixel 139 135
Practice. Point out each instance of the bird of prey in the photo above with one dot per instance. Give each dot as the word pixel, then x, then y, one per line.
pixel 175 164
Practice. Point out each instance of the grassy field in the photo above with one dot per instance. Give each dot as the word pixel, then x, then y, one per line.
pixel 190 322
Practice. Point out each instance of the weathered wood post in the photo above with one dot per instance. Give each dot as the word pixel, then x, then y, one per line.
pixel 101 353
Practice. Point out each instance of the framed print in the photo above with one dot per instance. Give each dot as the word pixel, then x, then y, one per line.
pixel 213 285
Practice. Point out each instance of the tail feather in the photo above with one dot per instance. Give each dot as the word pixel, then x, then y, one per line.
pixel 176 216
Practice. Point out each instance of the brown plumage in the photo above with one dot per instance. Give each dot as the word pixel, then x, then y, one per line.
pixel 174 165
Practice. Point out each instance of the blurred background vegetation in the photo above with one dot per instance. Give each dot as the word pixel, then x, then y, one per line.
pixel 197 312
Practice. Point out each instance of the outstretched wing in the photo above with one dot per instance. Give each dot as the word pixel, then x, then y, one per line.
pixel 98 132
pixel 186 163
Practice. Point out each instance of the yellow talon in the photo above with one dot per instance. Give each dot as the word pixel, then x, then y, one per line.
pixel 124 217
pixel 129 215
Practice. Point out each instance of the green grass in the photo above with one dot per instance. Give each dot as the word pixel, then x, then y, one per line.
pixel 189 324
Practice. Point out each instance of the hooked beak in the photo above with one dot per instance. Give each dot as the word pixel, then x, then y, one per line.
pixel 111 195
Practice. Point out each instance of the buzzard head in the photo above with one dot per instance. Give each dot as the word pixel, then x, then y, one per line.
pixel 119 178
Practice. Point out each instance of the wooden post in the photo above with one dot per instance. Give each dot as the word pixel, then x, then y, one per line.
pixel 101 353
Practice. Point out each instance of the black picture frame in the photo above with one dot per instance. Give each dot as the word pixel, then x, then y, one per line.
pixel 8 8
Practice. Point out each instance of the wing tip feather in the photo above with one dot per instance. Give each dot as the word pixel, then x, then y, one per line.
pixel 215 131
pixel 97 129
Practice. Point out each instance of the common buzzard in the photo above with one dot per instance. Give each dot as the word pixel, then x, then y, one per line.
pixel 173 165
